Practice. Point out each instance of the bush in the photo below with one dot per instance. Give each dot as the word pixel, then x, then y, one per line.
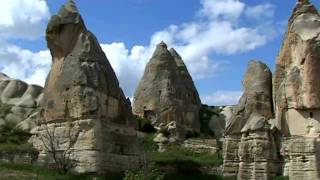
pixel 4 110
pixel 180 156
pixel 148 144
pixel 14 139
pixel 165 132
pixel 281 178
pixel 144 125
pixel 206 112
pixel 27 171
pixel 192 134
pixel 150 173
pixel 10 134
pixel 10 147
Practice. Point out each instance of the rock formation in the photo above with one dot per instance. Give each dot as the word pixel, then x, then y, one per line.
pixel 296 93
pixel 84 108
pixel 166 92
pixel 250 147
pixel 19 102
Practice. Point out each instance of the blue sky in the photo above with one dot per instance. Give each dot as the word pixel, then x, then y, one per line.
pixel 216 38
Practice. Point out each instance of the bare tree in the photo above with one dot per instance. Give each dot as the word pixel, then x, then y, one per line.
pixel 53 145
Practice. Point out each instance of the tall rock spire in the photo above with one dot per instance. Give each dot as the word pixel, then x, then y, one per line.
pixel 82 93
pixel 255 106
pixel 71 6
pixel 250 148
pixel 296 79
pixel 166 92
pixel 296 92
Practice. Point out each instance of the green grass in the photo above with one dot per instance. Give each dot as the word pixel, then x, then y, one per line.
pixel 19 171
pixel 195 176
pixel 148 144
pixel 180 156
pixel 281 178
pixel 10 147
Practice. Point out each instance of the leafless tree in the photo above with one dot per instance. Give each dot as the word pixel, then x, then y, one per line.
pixel 52 144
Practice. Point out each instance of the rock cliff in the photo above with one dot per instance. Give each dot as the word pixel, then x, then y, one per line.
pixel 166 92
pixel 85 112
pixel 297 95
pixel 296 79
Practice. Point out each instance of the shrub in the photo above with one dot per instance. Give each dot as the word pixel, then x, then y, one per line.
pixel 180 156
pixel 4 110
pixel 150 173
pixel 281 178
pixel 165 132
pixel 144 125
pixel 10 147
pixel 27 171
pixel 10 134
pixel 148 144
pixel 206 112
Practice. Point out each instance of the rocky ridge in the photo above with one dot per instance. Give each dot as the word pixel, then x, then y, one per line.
pixel 19 102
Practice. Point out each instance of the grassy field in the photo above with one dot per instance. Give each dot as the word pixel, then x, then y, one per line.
pixel 11 171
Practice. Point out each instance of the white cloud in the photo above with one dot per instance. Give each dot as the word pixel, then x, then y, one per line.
pixel 23 18
pixel 223 9
pixel 220 98
pixel 260 11
pixel 19 63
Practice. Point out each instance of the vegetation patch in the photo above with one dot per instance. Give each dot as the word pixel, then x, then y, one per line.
pixel 180 156
pixel 20 171
pixel 4 110
pixel 144 125
pixel 12 135
pixel 281 178
pixel 206 113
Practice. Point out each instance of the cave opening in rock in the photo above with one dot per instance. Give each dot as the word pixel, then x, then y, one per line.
pixel 311 114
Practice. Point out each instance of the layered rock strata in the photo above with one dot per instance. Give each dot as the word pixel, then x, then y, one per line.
pixel 250 146
pixel 166 92
pixel 84 109
pixel 297 95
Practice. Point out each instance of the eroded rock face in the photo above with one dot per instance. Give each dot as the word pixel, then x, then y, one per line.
pixel 166 91
pixel 83 101
pixel 297 95
pixel 250 145
pixel 19 102
pixel 255 106
pixel 296 79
